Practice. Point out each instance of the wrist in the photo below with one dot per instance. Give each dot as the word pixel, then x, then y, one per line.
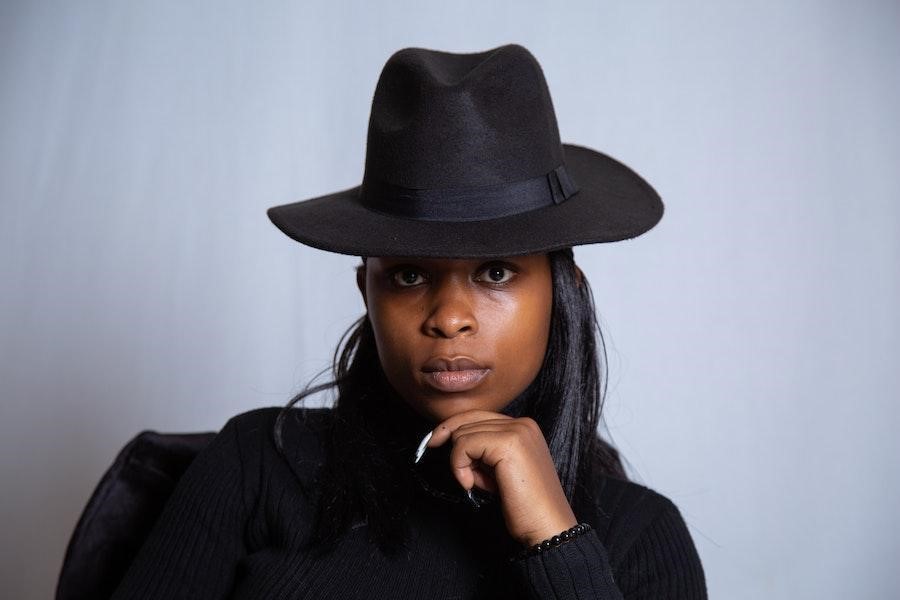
pixel 559 539
pixel 547 531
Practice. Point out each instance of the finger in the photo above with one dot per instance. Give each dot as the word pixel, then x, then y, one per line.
pixel 477 428
pixel 476 451
pixel 462 466
pixel 484 477
pixel 496 422
pixel 443 431
pixel 492 425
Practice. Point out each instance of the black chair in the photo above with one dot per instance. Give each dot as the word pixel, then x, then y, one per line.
pixel 122 510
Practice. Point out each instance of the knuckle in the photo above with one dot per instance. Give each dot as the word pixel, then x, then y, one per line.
pixel 530 424
pixel 459 459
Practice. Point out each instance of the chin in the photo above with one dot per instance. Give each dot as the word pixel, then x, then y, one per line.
pixel 445 406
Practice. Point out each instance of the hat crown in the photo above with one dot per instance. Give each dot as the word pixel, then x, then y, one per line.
pixel 446 120
pixel 463 159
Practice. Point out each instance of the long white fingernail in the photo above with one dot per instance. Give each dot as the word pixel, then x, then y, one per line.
pixel 421 450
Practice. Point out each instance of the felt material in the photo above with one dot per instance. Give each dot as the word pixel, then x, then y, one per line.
pixel 122 510
pixel 453 141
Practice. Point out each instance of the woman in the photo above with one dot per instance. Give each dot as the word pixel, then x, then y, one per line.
pixel 461 458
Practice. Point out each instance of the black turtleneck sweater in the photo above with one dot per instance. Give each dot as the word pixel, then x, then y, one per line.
pixel 237 524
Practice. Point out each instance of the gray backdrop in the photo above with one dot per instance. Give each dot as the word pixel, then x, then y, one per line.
pixel 753 335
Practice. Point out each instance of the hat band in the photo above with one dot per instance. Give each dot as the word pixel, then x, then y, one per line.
pixel 468 204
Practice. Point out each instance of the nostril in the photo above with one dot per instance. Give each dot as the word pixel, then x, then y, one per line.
pixel 449 319
pixel 449 332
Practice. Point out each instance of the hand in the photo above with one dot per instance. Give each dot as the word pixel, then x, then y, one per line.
pixel 508 456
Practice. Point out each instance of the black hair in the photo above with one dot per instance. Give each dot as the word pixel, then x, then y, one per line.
pixel 363 478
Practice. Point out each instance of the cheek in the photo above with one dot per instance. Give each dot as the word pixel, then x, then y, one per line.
pixel 521 332
pixel 393 336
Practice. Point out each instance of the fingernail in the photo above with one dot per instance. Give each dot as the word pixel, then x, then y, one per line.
pixel 421 450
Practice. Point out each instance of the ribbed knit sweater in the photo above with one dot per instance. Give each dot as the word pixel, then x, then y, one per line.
pixel 236 525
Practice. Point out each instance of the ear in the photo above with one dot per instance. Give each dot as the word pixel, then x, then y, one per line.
pixel 361 282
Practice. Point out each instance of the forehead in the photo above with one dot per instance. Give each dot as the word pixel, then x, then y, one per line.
pixel 452 263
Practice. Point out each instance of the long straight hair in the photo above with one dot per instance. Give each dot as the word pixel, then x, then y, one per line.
pixel 362 479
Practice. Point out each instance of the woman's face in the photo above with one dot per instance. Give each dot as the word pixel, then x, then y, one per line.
pixel 459 334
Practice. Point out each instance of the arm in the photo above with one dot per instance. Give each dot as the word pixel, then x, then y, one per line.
pixel 193 549
pixel 662 563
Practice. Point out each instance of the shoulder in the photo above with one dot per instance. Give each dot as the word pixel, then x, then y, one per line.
pixel 647 537
pixel 259 426
pixel 627 512
pixel 303 420
pixel 302 432
pixel 616 495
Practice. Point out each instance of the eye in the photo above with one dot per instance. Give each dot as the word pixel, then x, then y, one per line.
pixel 407 277
pixel 496 274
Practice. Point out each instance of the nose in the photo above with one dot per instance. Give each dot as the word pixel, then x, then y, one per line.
pixel 450 312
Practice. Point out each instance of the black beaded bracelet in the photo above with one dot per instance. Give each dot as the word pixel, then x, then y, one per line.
pixel 556 540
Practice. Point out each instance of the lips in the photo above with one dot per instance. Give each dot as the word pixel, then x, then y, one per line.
pixel 460 363
pixel 457 374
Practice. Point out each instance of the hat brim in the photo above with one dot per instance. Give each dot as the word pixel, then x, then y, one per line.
pixel 613 203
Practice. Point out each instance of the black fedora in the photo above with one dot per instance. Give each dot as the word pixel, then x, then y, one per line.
pixel 463 159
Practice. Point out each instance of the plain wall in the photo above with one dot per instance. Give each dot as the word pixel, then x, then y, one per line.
pixel 753 335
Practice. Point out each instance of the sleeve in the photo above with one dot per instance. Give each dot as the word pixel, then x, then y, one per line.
pixel 661 564
pixel 194 548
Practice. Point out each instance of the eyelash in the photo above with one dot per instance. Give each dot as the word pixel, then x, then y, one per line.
pixel 394 277
pixel 509 269
pixel 506 268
